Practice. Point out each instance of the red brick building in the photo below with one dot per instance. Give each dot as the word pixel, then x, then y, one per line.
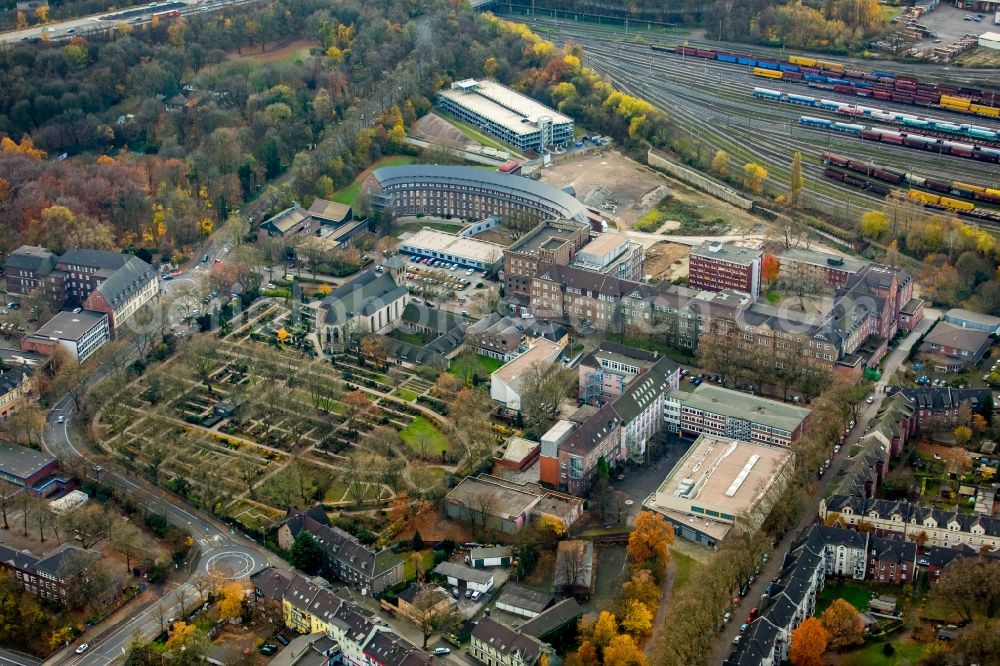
pixel 718 266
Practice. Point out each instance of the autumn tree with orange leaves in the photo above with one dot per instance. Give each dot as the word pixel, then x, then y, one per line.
pixel 770 268
pixel 650 541
pixel 809 642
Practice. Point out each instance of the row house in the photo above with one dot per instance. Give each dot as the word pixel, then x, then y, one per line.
pixel 495 644
pixel 347 559
pixel 915 522
pixel 945 407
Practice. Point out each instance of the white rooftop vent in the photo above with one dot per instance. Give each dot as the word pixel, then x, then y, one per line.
pixel 742 476
pixel 715 247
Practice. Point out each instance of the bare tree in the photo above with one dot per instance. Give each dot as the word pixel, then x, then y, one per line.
pixel 127 540
pixel 571 566
pixel 484 506
pixel 544 386
pixel 8 493
pixel 430 611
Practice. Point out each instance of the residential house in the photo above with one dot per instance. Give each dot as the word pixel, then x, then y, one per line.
pixel 944 407
pixel 17 388
pixel 951 348
pixel 436 603
pixel 496 336
pixel 348 560
pixel 495 644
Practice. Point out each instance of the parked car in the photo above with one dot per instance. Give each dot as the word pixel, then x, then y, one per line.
pixel 476 594
pixel 468 593
pixel 727 617
pixel 441 651
pixel 736 640
pixel 82 648
pixel 870 399
pixel 281 639
pixel 268 649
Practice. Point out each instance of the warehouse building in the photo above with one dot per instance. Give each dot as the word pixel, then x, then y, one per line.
pixel 716 481
pixel 510 116
pixel 466 252
pixel 468 193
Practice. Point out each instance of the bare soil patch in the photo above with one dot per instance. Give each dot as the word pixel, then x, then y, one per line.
pixel 436 129
pixel 667 261
pixel 286 51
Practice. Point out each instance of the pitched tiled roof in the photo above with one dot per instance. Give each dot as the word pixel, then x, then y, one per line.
pixel 341 546
pixel 507 641
pixel 131 277
pixel 362 296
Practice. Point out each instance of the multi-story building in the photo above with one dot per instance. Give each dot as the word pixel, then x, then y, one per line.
pixel 510 116
pixel 936 408
pixel 717 266
pixel 586 298
pixel 551 243
pixel 720 412
pixel 571 452
pixel 607 371
pixel 80 333
pixel 495 336
pixel 348 560
pixel 718 480
pixel 612 254
pixel 27 267
pixel 109 282
pixel 17 387
pixel 818 269
pixel 914 522
pixel 469 193
pixel 50 577
pixel 495 644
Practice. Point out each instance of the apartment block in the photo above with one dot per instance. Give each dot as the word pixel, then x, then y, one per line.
pixel 818 269
pixel 721 412
pixel 553 243
pixel 717 266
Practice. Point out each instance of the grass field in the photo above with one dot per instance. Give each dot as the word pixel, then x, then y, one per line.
pixel 427 563
pixel 350 193
pixel 427 477
pixel 856 595
pixel 979 57
pixel 871 655
pixel 469 363
pixel 475 135
pixel 685 567
pixel 420 432
pixel 406 394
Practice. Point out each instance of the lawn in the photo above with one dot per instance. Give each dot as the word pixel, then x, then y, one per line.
pixel 350 193
pixel 407 394
pixel 409 572
pixel 855 595
pixel 470 363
pixel 871 655
pixel 685 567
pixel 409 337
pixel 427 477
pixel 413 227
pixel 421 435
pixel 773 297
pixel 979 57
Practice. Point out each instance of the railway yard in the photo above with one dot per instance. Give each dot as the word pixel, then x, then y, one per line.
pixel 714 103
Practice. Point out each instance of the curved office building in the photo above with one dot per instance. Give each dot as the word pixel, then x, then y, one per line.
pixel 469 192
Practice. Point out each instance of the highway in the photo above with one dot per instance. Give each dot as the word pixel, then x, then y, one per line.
pixel 712 103
pixel 62 30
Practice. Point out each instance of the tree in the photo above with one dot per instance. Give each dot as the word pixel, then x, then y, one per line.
pixel 637 618
pixel 358 405
pixel 586 655
pixel 307 554
pixel 844 623
pixel 375 348
pixel 770 269
pixel 874 225
pixel 92 523
pixel 971 587
pixel 417 542
pixel 808 643
pixel 605 630
pixel 126 539
pixel 962 434
pixel 795 178
pixel 571 565
pixel 428 612
pixel 650 540
pixel 544 386
pixel 642 587
pixel 720 163
pixel 979 643
pixel 623 651
pixel 231 604
pixel 8 491
pixel 448 385
pixel 754 176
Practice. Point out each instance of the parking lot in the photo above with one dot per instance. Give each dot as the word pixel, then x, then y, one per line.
pixel 948 24
pixel 438 282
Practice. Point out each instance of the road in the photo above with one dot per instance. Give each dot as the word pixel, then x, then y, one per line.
pixel 771 568
pixel 59 30
pixel 8 658
pixel 221 551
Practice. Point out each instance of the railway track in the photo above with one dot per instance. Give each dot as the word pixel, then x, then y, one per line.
pixel 712 103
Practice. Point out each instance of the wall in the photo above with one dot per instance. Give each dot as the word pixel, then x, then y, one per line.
pixel 700 181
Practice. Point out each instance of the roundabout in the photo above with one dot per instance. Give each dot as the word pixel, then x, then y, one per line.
pixel 232 564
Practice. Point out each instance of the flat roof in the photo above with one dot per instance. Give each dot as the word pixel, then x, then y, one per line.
pixel 501 105
pixel 604 244
pixel 20 461
pixel 850 264
pixel 519 448
pixel 547 235
pixel 469 248
pixel 727 474
pixel 737 404
pixel 726 252
pixel 541 351
pixel 969 315
pixel 70 325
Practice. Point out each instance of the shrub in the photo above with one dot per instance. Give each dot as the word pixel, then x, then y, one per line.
pixel 888 649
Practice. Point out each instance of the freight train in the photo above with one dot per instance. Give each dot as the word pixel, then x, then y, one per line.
pixel 907 139
pixel 927 125
pixel 882 85
pixel 953 188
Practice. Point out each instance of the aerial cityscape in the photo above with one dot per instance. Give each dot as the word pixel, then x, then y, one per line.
pixel 483 333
